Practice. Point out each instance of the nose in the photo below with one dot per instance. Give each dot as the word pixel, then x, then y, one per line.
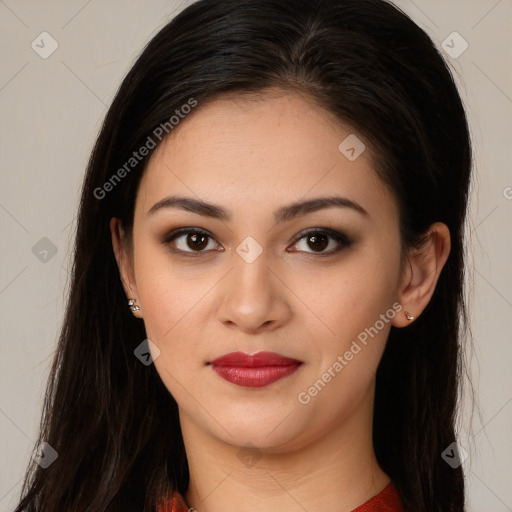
pixel 253 298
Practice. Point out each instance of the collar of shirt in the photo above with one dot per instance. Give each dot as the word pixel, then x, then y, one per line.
pixel 387 500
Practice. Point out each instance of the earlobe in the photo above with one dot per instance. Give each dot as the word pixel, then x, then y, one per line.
pixel 425 266
pixel 124 264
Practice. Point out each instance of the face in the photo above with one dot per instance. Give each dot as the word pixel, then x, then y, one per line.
pixel 266 265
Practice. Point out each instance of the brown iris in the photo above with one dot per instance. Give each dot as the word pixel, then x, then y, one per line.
pixel 319 242
pixel 197 241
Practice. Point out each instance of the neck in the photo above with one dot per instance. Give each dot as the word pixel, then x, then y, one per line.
pixel 336 472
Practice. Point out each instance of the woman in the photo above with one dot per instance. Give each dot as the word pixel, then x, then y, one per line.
pixel 266 307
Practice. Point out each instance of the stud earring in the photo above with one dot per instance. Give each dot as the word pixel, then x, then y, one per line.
pixel 408 316
pixel 133 306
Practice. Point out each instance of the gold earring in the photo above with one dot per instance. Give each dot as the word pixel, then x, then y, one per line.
pixel 408 316
pixel 133 306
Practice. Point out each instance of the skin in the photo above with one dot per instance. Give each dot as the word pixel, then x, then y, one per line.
pixel 252 155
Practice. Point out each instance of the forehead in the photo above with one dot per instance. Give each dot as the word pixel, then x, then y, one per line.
pixel 256 149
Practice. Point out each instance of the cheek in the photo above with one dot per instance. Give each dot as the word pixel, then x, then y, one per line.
pixel 359 309
pixel 171 302
pixel 172 308
pixel 360 293
pixel 349 361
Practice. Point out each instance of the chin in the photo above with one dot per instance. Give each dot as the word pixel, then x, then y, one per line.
pixel 263 428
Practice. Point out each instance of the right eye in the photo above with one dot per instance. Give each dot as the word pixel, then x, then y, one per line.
pixel 189 241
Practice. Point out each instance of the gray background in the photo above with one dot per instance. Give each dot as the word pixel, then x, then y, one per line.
pixel 51 111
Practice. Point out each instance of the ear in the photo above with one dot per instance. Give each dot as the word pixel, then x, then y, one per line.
pixel 420 278
pixel 123 255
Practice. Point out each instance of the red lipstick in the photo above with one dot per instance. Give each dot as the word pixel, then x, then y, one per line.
pixel 254 371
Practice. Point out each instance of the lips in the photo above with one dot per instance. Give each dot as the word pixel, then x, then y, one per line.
pixel 254 371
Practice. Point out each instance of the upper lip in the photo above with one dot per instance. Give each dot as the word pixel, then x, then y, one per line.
pixel 260 359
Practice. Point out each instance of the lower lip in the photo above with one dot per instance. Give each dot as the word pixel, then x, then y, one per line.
pixel 254 377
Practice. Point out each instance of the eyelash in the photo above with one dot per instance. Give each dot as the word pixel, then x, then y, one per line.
pixel 341 239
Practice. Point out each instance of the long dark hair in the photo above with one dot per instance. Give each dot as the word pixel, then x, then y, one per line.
pixel 111 420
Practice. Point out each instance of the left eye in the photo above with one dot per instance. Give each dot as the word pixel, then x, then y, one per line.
pixel 319 241
pixel 325 241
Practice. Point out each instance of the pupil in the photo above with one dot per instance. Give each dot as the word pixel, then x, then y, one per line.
pixel 318 241
pixel 198 241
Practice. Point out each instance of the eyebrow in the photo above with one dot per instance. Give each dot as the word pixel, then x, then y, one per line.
pixel 283 214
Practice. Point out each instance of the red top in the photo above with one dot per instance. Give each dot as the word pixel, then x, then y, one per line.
pixel 386 501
